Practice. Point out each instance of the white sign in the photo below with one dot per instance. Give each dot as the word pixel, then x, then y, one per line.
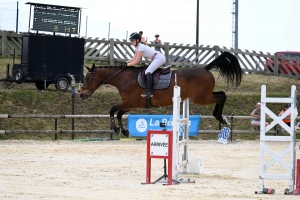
pixel 222 137
pixel 159 144
pixel 141 125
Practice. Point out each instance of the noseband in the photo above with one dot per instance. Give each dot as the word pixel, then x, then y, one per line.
pixel 88 92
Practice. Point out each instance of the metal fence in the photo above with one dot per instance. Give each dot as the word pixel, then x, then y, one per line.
pixel 178 55
pixel 56 131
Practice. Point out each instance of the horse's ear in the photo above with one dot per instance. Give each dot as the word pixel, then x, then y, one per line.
pixel 87 68
pixel 93 67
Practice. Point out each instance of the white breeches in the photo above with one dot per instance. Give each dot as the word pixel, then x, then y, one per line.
pixel 158 60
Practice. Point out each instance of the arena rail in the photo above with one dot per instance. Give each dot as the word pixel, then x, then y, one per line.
pixel 56 131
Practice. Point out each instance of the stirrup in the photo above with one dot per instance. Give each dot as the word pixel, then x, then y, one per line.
pixel 225 119
pixel 147 94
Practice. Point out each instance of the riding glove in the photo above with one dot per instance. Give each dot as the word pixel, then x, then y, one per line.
pixel 123 64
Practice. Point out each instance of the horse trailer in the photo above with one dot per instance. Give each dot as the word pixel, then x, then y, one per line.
pixel 49 59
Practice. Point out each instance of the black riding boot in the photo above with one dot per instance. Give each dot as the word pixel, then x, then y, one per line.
pixel 148 92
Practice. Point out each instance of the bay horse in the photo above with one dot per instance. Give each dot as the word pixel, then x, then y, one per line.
pixel 196 83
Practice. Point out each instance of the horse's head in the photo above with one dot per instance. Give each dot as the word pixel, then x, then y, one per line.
pixel 91 83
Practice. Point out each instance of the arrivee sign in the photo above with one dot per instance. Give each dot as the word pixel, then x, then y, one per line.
pixel 138 125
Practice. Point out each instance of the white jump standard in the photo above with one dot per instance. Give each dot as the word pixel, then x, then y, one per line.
pixel 290 150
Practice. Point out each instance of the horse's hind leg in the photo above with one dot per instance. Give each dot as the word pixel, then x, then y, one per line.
pixel 119 117
pixel 220 98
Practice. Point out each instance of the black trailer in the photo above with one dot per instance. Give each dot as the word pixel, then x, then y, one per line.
pixel 48 59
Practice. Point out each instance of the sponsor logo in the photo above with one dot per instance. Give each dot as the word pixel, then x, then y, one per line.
pixel 141 125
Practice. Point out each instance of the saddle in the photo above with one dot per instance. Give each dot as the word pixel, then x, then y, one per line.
pixel 156 74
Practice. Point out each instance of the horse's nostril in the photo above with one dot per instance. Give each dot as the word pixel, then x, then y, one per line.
pixel 83 96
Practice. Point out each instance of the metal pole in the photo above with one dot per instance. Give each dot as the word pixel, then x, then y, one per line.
pixel 236 35
pixel 17 24
pixel 73 101
pixel 197 29
pixel 86 25
pixel 197 25
pixel 108 37
pixel 108 29
pixel 29 19
pixel 73 98
pixel 231 126
pixel 55 128
pixel 79 25
pixel 45 81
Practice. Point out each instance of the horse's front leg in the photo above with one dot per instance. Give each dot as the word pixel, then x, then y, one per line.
pixel 119 117
pixel 112 119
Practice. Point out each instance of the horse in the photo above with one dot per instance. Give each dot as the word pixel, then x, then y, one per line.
pixel 197 84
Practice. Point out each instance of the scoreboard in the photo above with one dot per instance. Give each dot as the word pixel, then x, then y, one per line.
pixel 54 18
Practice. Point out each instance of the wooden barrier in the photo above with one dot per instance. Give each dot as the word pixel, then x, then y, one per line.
pixel 115 50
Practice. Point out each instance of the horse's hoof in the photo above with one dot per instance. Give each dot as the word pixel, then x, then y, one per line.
pixel 117 130
pixel 125 133
pixel 225 120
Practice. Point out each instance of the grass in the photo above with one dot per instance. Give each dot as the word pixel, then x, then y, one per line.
pixel 26 99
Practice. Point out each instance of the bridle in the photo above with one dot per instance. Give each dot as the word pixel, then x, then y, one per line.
pixel 89 91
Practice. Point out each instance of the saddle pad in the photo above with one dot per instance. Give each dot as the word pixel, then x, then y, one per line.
pixel 164 81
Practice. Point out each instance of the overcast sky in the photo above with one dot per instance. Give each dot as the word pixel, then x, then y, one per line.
pixel 264 25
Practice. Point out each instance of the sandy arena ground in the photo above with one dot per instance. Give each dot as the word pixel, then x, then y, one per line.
pixel 115 170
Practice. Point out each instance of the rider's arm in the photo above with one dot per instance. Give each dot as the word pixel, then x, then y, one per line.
pixel 132 59
pixel 253 114
pixel 136 59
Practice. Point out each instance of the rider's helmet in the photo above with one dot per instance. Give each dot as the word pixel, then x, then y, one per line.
pixel 135 36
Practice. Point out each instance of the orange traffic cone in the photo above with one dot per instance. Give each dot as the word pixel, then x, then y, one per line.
pixel 297 190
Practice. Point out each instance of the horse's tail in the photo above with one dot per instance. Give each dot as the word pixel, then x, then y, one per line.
pixel 229 68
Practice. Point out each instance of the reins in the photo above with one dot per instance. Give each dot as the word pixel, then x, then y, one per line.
pixel 113 75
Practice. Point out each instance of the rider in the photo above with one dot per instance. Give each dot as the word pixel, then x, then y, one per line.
pixel 157 58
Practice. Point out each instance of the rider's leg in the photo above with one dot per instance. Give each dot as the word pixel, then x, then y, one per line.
pixel 156 63
pixel 148 92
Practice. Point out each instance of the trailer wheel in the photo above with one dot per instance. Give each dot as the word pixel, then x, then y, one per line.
pixel 62 84
pixel 41 86
pixel 18 75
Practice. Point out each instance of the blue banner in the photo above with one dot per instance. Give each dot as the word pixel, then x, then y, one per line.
pixel 138 125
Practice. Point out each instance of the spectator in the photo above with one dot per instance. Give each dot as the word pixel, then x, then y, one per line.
pixel 287 119
pixel 256 113
pixel 143 41
pixel 157 41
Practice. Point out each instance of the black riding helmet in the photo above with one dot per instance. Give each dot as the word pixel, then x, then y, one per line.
pixel 135 36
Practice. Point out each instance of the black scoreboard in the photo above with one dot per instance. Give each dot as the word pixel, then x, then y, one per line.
pixel 55 18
